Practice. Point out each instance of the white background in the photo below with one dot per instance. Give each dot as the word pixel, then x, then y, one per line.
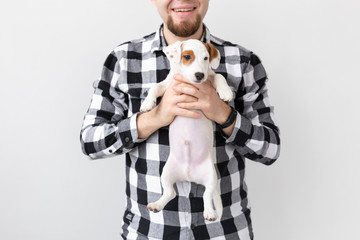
pixel 52 51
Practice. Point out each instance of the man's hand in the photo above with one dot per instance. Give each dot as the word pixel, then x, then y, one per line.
pixel 164 114
pixel 169 108
pixel 208 101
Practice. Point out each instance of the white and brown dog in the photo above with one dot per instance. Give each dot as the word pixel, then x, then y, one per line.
pixel 191 140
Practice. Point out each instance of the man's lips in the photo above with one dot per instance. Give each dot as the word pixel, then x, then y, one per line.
pixel 183 9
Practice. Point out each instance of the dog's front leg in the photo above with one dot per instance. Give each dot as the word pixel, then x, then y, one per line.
pixel 155 91
pixel 222 88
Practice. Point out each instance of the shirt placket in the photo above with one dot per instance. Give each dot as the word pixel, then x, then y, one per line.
pixel 184 189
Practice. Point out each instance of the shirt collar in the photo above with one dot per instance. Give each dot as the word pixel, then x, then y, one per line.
pixel 159 41
pixel 206 37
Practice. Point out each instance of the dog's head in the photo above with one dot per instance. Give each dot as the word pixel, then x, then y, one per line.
pixel 193 59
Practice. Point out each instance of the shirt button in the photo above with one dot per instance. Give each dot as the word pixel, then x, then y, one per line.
pixel 127 139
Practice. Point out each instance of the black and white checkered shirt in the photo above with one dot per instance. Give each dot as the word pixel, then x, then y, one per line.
pixel 110 128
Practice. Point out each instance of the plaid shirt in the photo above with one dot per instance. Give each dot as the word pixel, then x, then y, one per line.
pixel 110 128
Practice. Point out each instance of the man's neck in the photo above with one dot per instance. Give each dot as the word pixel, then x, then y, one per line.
pixel 171 38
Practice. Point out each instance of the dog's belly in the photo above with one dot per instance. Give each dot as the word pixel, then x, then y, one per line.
pixel 191 140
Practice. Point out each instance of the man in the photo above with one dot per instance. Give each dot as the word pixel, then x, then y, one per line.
pixel 244 129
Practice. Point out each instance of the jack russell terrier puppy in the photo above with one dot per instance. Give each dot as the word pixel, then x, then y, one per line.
pixel 192 156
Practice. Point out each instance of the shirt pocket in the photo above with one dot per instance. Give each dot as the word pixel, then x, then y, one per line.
pixel 137 95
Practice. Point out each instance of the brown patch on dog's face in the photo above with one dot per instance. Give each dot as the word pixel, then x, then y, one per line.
pixel 187 57
pixel 212 51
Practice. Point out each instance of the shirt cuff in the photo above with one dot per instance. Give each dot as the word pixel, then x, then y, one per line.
pixel 242 131
pixel 128 132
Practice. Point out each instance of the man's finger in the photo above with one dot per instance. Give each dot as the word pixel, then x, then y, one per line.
pixel 179 77
pixel 189 105
pixel 186 98
pixel 192 91
pixel 187 113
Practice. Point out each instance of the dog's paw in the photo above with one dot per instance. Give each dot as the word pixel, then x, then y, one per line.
pixel 210 215
pixel 147 105
pixel 154 207
pixel 226 94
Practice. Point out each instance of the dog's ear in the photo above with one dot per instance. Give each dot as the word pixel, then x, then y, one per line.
pixel 173 52
pixel 214 55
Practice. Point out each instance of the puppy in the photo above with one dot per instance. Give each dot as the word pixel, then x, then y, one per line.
pixel 192 156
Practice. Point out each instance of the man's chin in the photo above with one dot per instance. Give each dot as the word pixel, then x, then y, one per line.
pixel 184 29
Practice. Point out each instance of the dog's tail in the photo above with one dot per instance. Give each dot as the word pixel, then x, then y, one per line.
pixel 218 203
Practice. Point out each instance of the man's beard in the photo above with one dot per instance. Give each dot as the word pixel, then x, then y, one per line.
pixel 184 29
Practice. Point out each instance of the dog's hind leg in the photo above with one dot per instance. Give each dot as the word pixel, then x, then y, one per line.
pixel 209 212
pixel 218 202
pixel 168 195
pixel 211 192
pixel 168 178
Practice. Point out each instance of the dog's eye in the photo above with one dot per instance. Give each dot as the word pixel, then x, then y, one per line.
pixel 206 58
pixel 187 57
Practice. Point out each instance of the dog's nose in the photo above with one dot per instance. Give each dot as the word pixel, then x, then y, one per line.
pixel 199 76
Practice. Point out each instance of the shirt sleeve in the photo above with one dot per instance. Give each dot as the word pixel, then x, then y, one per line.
pixel 106 129
pixel 255 134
